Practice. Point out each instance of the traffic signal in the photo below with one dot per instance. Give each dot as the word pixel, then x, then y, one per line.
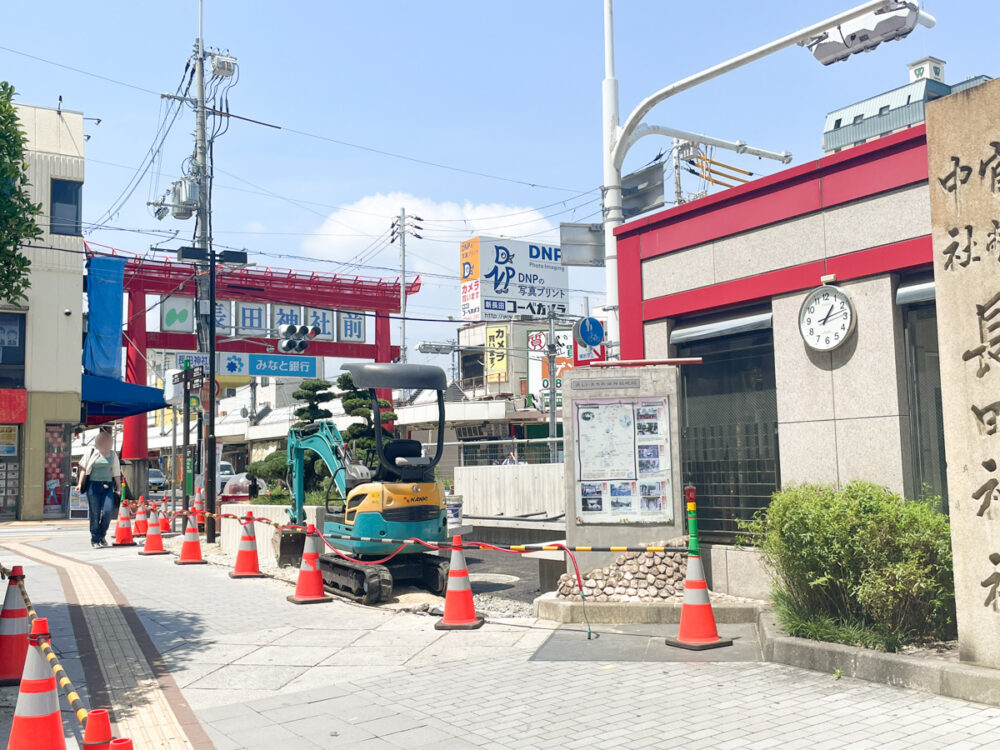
pixel 295 339
pixel 866 33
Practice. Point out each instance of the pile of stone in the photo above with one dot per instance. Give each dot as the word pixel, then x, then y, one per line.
pixel 633 577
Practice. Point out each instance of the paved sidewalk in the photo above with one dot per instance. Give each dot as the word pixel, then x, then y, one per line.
pixel 259 672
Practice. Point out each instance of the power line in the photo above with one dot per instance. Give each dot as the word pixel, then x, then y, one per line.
pixel 81 72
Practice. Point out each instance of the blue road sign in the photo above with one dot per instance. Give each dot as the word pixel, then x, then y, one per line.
pixel 266 364
pixel 591 332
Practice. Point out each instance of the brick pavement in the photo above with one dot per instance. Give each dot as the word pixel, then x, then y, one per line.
pixel 258 672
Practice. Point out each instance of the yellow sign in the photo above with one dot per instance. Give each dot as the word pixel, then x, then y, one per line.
pixel 470 259
pixel 496 354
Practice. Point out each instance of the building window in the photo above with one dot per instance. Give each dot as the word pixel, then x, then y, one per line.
pixel 883 109
pixel 66 207
pixel 836 123
pixel 729 429
pixel 265 382
pixel 857 119
pixel 12 350
pixel 924 393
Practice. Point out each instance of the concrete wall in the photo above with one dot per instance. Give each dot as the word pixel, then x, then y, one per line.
pixel 889 217
pixel 231 530
pixel 844 415
pixel 511 490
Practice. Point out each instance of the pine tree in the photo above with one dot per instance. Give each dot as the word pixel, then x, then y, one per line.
pixel 357 404
pixel 17 212
pixel 314 392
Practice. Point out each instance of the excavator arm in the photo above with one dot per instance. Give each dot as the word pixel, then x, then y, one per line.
pixel 325 440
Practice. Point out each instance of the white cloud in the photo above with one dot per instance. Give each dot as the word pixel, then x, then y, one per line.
pixel 445 225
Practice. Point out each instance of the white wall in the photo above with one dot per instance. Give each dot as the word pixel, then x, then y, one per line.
pixel 53 339
pixel 511 490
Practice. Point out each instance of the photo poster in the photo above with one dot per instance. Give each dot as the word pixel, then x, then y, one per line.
pixel 624 465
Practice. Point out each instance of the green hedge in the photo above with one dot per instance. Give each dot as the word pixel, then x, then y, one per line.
pixel 858 565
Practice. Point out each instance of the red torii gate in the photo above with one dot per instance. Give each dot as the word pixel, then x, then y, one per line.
pixel 160 276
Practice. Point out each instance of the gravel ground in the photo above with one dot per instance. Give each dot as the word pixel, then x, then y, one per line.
pixel 405 599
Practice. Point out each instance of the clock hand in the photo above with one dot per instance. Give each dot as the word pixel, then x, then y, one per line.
pixel 828 314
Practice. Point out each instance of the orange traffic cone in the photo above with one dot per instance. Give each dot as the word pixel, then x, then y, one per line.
pixel 191 548
pixel 13 631
pixel 97 735
pixel 165 521
pixel 459 609
pixel 37 722
pixel 309 586
pixel 697 631
pixel 154 540
pixel 141 525
pixel 247 565
pixel 199 507
pixel 123 529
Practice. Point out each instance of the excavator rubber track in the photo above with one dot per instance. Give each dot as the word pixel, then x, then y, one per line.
pixel 372 584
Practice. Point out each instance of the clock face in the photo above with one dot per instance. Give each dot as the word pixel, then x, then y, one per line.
pixel 827 318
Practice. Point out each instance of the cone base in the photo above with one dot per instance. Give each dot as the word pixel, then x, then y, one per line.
pixel 233 574
pixel 477 623
pixel 123 544
pixel 190 562
pixel 163 552
pixel 10 682
pixel 698 645
pixel 311 600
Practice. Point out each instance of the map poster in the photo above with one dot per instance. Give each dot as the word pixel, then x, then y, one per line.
pixel 607 440
pixel 624 461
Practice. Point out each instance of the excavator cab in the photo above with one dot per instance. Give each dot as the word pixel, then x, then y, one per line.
pixel 401 501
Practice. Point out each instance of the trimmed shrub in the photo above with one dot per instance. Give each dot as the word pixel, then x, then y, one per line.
pixel 860 565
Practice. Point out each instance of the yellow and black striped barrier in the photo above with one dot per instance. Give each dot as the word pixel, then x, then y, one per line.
pixel 447 545
pixel 72 697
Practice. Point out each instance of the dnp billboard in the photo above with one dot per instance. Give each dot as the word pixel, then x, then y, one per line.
pixel 502 278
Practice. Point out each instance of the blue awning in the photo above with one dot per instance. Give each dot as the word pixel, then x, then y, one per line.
pixel 106 399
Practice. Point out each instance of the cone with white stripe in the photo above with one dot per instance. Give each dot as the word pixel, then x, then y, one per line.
pixel 199 508
pixel 247 565
pixel 154 540
pixel 37 723
pixel 123 528
pixel 191 548
pixel 459 608
pixel 13 631
pixel 141 524
pixel 309 586
pixel 697 631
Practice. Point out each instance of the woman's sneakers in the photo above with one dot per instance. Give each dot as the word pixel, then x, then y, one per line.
pixel 98 545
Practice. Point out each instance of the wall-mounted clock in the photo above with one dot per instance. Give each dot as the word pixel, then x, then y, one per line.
pixel 827 318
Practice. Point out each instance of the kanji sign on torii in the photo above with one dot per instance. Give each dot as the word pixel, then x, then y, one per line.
pixel 375 297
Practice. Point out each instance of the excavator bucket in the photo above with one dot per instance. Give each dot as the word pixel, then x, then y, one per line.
pixel 289 546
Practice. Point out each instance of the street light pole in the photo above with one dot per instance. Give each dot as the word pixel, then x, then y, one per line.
pixel 618 139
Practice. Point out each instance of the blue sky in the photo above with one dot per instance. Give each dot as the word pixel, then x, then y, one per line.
pixel 509 89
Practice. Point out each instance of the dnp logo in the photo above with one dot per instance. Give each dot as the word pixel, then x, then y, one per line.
pixel 502 271
pixel 552 254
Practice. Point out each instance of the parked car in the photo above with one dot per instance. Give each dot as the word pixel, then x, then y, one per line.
pixel 157 481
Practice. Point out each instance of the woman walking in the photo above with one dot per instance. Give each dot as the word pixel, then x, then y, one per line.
pixel 100 478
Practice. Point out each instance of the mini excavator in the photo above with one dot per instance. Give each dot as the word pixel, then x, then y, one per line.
pixel 401 500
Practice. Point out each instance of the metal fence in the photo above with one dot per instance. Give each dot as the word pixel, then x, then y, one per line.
pixel 495 452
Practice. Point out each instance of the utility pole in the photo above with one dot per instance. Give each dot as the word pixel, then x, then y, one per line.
pixel 400 228
pixel 203 241
pixel 678 195
pixel 402 286
pixel 173 463
pixel 551 350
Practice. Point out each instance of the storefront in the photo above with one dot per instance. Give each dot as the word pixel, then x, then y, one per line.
pixel 738 278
